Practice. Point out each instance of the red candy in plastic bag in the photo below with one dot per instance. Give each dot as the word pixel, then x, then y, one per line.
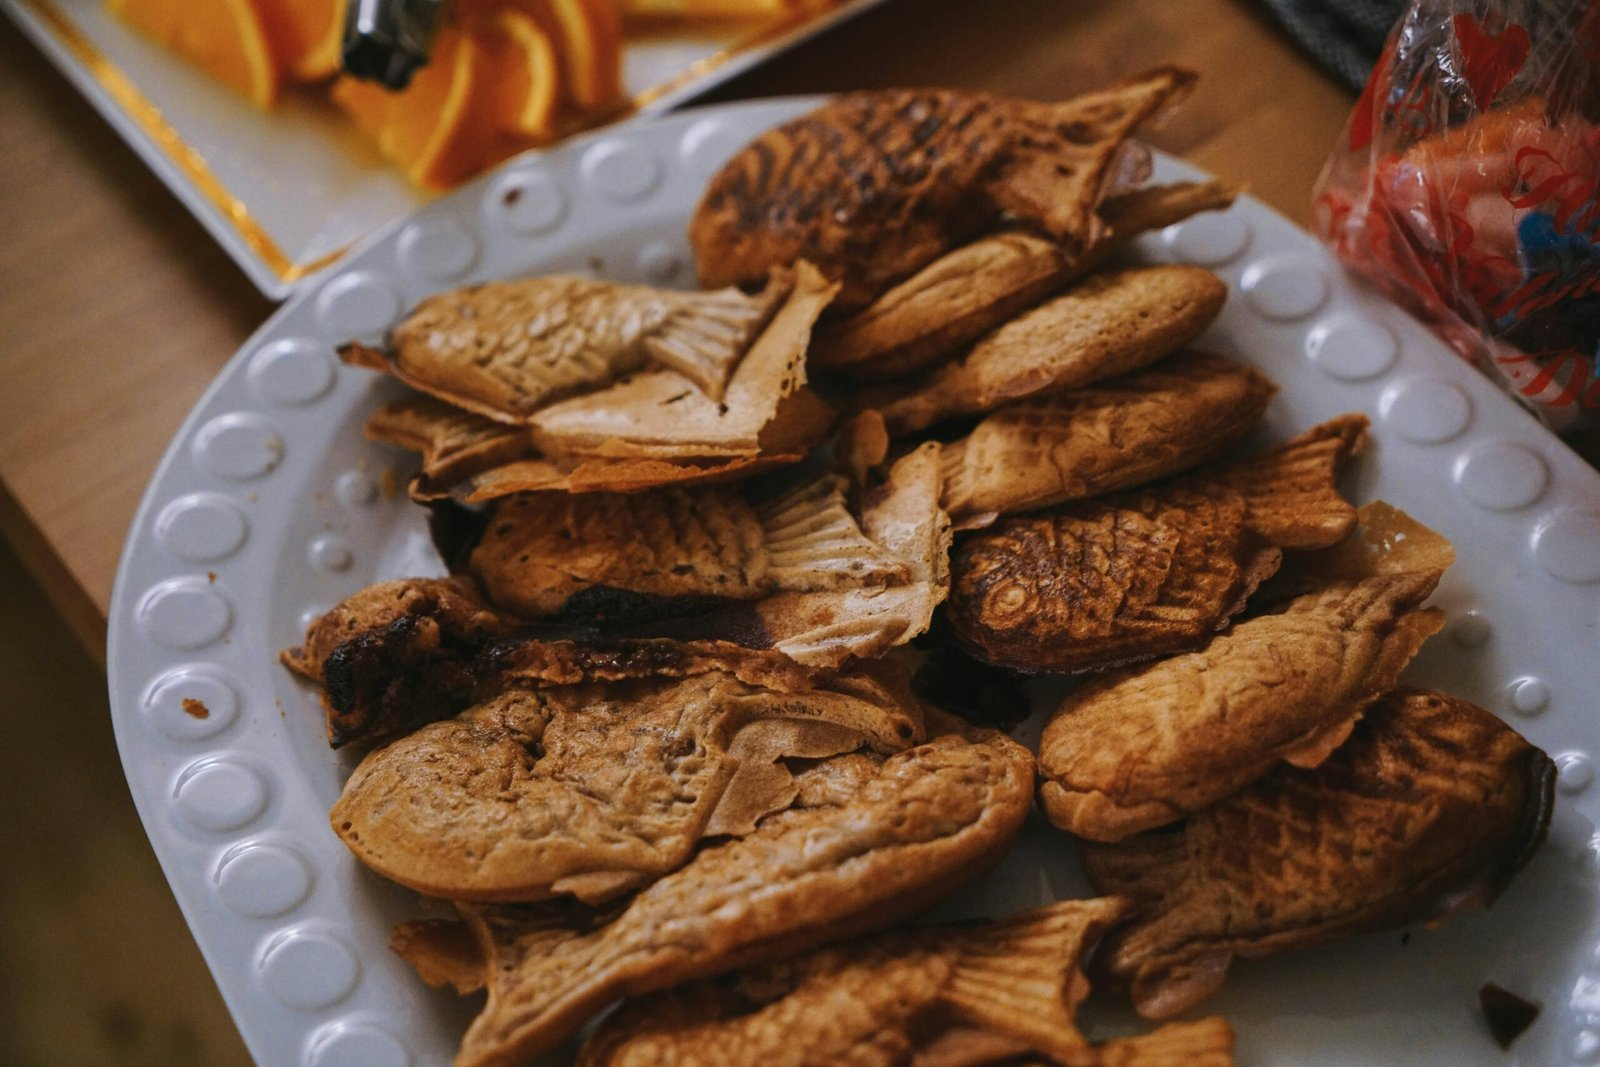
pixel 1467 187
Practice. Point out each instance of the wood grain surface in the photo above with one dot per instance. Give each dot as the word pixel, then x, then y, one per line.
pixel 116 309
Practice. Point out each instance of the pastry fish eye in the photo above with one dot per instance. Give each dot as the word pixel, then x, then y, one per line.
pixel 1007 600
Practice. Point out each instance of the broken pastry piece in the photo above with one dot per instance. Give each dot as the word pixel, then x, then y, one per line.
pixel 455 445
pixel 919 825
pixel 1100 583
pixel 1126 431
pixel 586 789
pixel 1108 324
pixel 504 350
pixel 1011 987
pixel 1431 805
pixel 873 186
pixel 599 554
pixel 1146 746
pixel 973 289
pixel 597 474
pixel 660 414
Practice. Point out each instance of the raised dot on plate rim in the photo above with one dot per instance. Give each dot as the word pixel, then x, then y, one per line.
pixel 1567 545
pixel 1426 410
pixel 1472 630
pixel 621 170
pixel 183 614
pixel 437 249
pixel 261 879
pixel 356 1043
pixel 220 794
pixel 356 304
pixel 658 262
pixel 1285 289
pixel 308 968
pixel 1529 696
pixel 164 703
pixel 1574 772
pixel 530 201
pixel 330 553
pixel 201 528
pixel 1351 348
pixel 293 371
pixel 1210 239
pixel 356 489
pixel 1501 475
pixel 238 446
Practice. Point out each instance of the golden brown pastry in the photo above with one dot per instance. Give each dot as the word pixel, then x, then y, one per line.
pixel 1107 324
pixel 626 474
pixel 593 790
pixel 504 350
pixel 1148 745
pixel 1201 1043
pixel 970 290
pixel 924 821
pixel 1013 985
pixel 1430 806
pixel 454 444
pixel 1125 431
pixel 1105 582
pixel 661 414
pixel 873 186
pixel 600 554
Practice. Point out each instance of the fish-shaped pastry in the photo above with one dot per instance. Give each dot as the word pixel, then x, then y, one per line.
pixel 601 554
pixel 1013 985
pixel 924 821
pixel 766 409
pixel 1431 805
pixel 1099 583
pixel 622 474
pixel 873 186
pixel 1107 324
pixel 504 350
pixel 967 292
pixel 399 654
pixel 586 789
pixel 454 444
pixel 1145 746
pixel 1121 432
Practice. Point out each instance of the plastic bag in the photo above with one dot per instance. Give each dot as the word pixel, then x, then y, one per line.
pixel 1467 188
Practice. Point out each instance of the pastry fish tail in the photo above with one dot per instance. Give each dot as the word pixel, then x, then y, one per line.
pixel 1290 497
pixel 814 543
pixel 708 333
pixel 1022 977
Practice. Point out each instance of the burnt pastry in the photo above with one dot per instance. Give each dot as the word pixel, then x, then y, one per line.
pixel 873 186
pixel 588 789
pixel 1431 806
pixel 1108 324
pixel 965 293
pixel 1122 432
pixel 1104 582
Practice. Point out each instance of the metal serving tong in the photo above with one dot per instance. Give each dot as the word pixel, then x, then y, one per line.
pixel 388 41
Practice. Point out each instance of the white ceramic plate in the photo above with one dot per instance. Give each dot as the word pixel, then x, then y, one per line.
pixel 269 507
pixel 288 192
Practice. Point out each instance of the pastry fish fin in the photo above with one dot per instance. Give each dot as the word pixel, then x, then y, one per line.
pixel 1201 1043
pixel 708 333
pixel 1291 500
pixel 1022 976
pixel 442 951
pixel 814 543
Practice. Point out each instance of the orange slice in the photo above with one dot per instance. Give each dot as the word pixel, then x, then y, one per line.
pixel 419 127
pixel 307 36
pixel 225 38
pixel 528 75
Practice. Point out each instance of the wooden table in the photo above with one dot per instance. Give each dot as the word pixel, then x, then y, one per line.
pixel 116 309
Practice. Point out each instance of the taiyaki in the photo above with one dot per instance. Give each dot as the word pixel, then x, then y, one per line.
pixel 626 474
pixel 973 289
pixel 1148 745
pixel 1121 432
pixel 921 823
pixel 873 186
pixel 1104 582
pixel 1107 324
pixel 454 444
pixel 591 789
pixel 1431 805
pixel 504 350
pixel 661 414
pixel 1013 985
pixel 600 554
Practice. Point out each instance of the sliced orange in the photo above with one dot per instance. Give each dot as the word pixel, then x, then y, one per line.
pixel 590 34
pixel 526 75
pixel 225 38
pixel 419 127
pixel 307 36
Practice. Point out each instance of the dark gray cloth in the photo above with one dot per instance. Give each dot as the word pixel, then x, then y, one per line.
pixel 1345 37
